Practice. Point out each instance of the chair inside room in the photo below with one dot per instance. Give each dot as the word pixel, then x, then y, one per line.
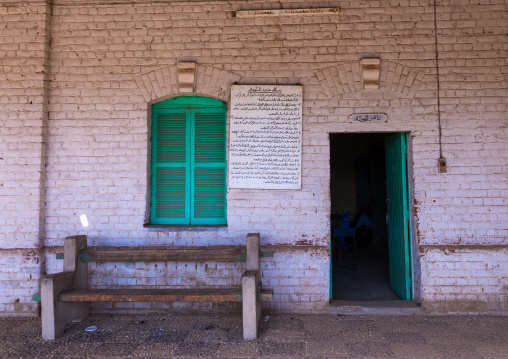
pixel 344 241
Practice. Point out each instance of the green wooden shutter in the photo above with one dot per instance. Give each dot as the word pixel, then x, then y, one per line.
pixel 209 167
pixel 188 174
pixel 170 168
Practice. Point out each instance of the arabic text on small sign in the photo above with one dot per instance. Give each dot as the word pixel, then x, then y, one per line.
pixel 368 117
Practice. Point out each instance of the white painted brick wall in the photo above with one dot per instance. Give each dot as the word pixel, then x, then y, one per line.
pixel 22 42
pixel 20 275
pixel 98 126
pixel 466 281
pixel 23 45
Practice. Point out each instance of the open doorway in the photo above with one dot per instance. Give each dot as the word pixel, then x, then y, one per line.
pixel 370 217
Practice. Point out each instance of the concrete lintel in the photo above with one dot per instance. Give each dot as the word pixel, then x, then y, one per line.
pixel 287 12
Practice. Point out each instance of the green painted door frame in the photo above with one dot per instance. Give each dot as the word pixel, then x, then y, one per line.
pixel 398 216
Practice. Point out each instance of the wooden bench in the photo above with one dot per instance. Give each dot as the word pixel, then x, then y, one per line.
pixel 65 296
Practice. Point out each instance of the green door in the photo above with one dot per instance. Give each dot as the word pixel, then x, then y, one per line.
pixel 398 215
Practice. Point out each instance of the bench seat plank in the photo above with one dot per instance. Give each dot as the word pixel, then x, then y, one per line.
pixel 160 295
pixel 166 254
pixel 153 295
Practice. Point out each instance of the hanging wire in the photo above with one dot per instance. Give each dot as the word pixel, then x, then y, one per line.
pixel 438 82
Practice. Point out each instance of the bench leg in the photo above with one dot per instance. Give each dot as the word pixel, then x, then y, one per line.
pixel 251 306
pixel 55 315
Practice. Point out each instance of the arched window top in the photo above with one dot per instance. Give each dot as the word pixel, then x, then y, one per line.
pixel 189 102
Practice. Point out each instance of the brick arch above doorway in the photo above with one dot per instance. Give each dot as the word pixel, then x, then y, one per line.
pixel 346 77
pixel 209 80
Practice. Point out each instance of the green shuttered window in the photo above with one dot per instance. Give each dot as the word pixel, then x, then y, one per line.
pixel 188 165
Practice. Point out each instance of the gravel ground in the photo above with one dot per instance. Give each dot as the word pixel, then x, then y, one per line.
pixel 282 336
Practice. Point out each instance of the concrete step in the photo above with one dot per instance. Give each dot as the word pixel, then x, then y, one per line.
pixel 381 307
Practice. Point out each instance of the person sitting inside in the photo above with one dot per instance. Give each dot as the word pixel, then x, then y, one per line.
pixel 363 225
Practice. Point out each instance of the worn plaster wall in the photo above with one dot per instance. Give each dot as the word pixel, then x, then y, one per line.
pixel 110 61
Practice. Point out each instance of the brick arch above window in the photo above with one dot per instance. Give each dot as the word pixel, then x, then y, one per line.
pixel 163 82
pixel 346 77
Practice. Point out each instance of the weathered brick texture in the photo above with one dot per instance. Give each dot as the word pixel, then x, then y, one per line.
pixel 466 281
pixel 109 62
pixel 23 124
pixel 20 275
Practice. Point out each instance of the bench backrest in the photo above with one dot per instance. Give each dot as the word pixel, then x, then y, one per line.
pixel 77 253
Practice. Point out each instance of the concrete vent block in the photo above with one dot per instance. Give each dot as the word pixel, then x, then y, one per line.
pixel 186 71
pixel 370 73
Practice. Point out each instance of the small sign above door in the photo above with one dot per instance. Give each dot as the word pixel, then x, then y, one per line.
pixel 368 117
